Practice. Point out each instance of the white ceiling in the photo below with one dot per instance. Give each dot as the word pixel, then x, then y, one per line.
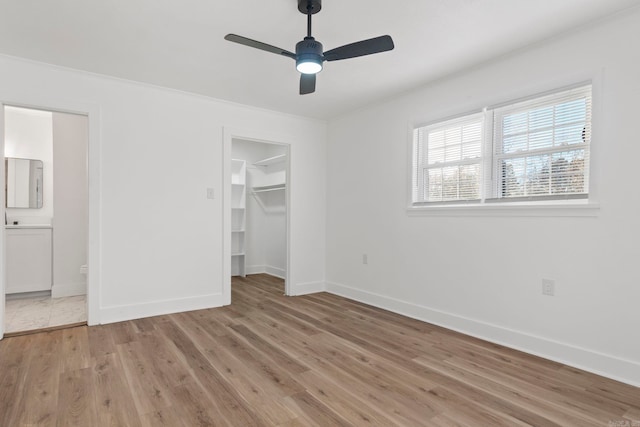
pixel 179 43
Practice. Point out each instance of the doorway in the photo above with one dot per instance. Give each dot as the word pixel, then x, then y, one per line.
pixel 259 175
pixel 46 218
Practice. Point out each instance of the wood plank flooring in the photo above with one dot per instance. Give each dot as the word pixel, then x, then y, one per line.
pixel 270 360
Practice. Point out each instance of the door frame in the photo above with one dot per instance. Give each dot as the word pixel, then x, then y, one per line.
pixel 229 134
pixel 92 112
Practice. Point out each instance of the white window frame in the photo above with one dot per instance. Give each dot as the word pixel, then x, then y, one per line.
pixel 491 203
pixel 421 164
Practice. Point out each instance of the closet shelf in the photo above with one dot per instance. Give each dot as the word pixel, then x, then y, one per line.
pixel 271 160
pixel 268 188
pixel 238 216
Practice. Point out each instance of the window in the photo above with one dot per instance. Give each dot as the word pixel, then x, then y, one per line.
pixel 530 150
pixel 449 156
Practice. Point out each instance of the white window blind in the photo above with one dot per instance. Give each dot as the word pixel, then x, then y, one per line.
pixel 447 160
pixel 541 146
pixel 530 150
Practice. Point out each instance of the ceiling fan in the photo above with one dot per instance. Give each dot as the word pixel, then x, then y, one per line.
pixel 309 55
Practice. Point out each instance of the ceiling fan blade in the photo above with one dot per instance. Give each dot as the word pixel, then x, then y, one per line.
pixel 361 48
pixel 307 83
pixel 259 45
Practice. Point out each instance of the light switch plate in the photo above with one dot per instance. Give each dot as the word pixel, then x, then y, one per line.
pixel 548 287
pixel 210 193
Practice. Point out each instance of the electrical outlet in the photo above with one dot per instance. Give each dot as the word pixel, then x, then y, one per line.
pixel 365 259
pixel 548 287
pixel 210 193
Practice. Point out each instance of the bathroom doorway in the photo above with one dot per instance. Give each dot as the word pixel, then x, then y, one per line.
pixel 46 219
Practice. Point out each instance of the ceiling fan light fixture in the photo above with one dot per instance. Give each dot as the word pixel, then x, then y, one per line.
pixel 309 65
pixel 309 56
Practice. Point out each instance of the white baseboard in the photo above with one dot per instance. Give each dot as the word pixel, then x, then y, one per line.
pixel 254 269
pixel 295 290
pixel 280 273
pixel 266 269
pixel 156 308
pixel 619 369
pixel 306 288
pixel 68 290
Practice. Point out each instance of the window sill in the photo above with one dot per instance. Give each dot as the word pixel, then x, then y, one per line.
pixel 581 208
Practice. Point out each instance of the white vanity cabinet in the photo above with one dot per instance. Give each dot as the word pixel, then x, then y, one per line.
pixel 29 259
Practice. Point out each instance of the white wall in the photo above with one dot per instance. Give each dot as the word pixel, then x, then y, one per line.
pixel 70 140
pixel 413 266
pixel 28 135
pixel 160 238
pixel 266 243
pixel 275 233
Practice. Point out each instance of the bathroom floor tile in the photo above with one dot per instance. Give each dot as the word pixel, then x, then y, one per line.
pixel 35 313
pixel 27 324
pixel 68 310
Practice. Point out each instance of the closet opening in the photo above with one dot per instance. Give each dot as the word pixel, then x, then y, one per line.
pixel 259 223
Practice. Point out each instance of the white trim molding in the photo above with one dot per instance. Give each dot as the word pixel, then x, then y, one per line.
pixel 254 269
pixel 93 112
pixel 307 288
pixel 280 273
pixel 623 370
pixel 122 313
pixel 554 209
pixel 275 271
pixel 228 135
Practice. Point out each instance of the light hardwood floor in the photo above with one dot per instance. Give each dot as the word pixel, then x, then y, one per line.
pixel 292 361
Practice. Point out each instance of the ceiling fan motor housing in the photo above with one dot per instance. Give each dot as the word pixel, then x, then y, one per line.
pixel 309 50
pixel 309 6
